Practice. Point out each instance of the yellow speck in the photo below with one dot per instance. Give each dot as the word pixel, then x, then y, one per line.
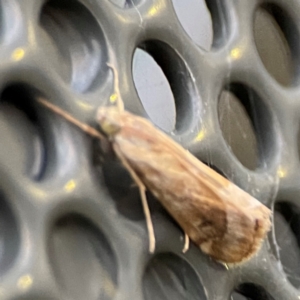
pixel 25 282
pixel 113 98
pixel 200 136
pixel 281 172
pixel 84 105
pixel 38 192
pixel 70 186
pixel 153 11
pixel 18 54
pixel 236 53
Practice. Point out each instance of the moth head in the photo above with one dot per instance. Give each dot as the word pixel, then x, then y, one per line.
pixel 109 120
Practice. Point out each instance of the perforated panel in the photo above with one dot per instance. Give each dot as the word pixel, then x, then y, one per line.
pixel 71 223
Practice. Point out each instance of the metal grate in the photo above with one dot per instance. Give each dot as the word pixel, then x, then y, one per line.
pixel 71 224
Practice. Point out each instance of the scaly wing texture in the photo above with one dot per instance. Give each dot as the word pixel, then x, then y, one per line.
pixel 226 222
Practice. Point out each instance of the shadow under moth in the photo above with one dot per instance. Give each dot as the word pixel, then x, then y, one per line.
pixel 223 220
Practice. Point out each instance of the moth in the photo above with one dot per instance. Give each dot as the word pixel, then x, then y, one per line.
pixel 223 220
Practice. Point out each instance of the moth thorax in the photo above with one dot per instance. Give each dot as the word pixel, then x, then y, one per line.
pixel 109 120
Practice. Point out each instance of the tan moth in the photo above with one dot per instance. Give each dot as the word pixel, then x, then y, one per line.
pixel 223 220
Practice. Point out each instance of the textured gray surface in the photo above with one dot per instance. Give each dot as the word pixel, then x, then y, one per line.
pixel 71 226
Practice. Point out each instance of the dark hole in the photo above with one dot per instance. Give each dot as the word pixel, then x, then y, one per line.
pixel 287 232
pixel 196 21
pixel 20 115
pixel 272 45
pixel 169 277
pixel 249 291
pixel 82 259
pixel 21 98
pixel 220 23
pixel 164 86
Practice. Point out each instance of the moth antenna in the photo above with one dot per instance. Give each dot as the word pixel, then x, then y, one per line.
pixel 116 96
pixel 59 111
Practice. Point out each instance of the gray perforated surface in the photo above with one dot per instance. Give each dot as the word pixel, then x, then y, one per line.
pixel 71 223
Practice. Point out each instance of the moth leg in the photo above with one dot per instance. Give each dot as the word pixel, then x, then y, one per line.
pixel 116 94
pixel 186 243
pixel 84 127
pixel 142 190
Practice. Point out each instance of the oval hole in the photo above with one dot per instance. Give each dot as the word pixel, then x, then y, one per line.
pixel 82 260
pixel 9 237
pixel 169 277
pixel 247 126
pixel 196 21
pixel 79 40
pixel 164 86
pixel 238 130
pixel 287 232
pixel 220 22
pixel 271 43
pixel 154 90
pixel 250 291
